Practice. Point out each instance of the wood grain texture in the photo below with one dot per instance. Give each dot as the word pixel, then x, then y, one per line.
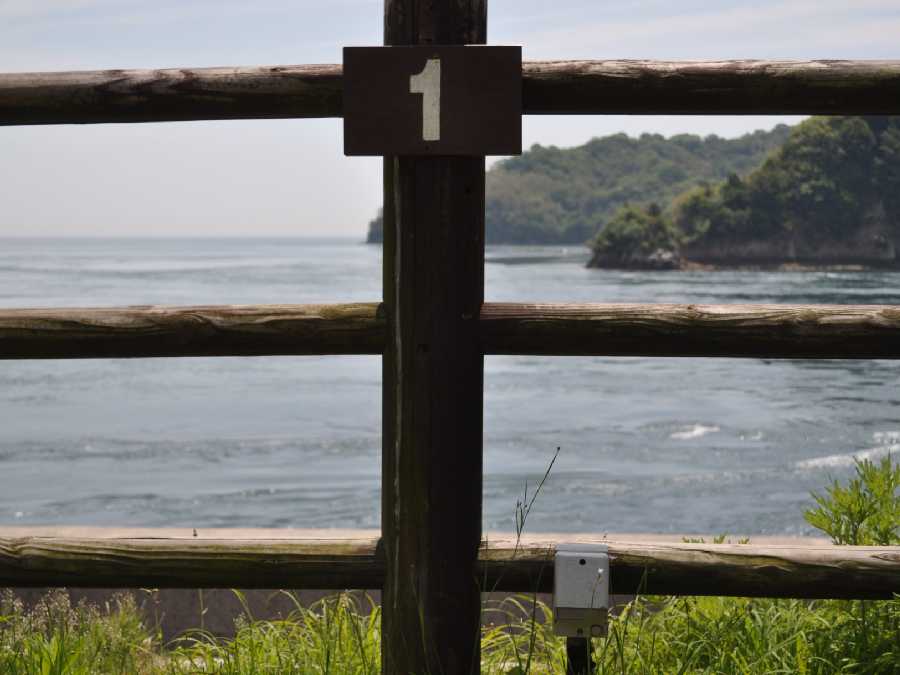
pixel 549 87
pixel 177 94
pixel 433 373
pixel 818 571
pixel 230 330
pixel 764 331
pixel 754 331
pixel 718 569
pixel 432 477
pixel 189 563
pixel 827 87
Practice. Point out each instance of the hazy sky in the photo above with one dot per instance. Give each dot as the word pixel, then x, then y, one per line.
pixel 289 177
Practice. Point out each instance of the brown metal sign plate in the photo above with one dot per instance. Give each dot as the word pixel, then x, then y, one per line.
pixel 450 100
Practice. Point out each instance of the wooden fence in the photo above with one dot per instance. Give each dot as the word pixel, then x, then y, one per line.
pixel 433 330
pixel 767 331
pixel 548 88
pixel 808 571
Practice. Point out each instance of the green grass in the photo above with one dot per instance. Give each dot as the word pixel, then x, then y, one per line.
pixel 54 637
pixel 651 635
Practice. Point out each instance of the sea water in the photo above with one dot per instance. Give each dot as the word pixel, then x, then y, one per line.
pixel 656 445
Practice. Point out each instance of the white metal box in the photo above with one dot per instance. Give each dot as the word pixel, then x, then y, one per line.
pixel 581 590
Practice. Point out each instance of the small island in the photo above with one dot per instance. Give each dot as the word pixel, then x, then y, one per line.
pixel 829 197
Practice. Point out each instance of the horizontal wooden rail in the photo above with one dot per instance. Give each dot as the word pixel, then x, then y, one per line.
pixel 761 331
pixel 188 563
pixel 549 87
pixel 669 569
pixel 231 330
pixel 174 95
pixel 824 87
pixel 765 331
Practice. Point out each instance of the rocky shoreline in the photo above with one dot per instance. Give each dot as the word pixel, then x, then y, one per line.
pixel 870 249
pixel 676 263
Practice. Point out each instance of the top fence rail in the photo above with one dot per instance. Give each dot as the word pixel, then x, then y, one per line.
pixel 827 87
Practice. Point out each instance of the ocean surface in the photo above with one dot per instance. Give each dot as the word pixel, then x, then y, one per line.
pixel 653 445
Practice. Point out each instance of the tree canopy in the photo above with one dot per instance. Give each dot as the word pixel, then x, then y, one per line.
pixel 831 191
pixel 552 195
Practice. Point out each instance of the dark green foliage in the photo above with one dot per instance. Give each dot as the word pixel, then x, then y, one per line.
pixel 830 194
pixel 552 195
pixel 829 177
pixel 887 171
pixel 636 234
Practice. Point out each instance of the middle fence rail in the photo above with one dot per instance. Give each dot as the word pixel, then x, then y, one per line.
pixel 762 331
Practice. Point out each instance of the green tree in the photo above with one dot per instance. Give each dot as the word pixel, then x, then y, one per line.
pixel 830 175
pixel 550 195
pixel 634 234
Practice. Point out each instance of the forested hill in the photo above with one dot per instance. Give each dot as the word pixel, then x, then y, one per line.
pixel 829 196
pixel 551 195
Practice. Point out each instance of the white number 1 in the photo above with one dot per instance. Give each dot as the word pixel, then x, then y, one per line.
pixel 428 83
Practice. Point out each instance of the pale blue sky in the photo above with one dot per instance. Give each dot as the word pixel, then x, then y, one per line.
pixel 290 177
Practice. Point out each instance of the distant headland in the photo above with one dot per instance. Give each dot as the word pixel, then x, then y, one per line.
pixel 824 193
pixel 551 195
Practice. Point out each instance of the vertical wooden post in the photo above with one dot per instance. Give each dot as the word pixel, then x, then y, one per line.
pixel 578 656
pixel 433 381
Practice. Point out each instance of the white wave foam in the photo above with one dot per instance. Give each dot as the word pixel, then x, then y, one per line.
pixel 695 431
pixel 890 445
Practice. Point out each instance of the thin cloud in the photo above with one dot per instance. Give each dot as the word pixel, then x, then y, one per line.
pixel 741 30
